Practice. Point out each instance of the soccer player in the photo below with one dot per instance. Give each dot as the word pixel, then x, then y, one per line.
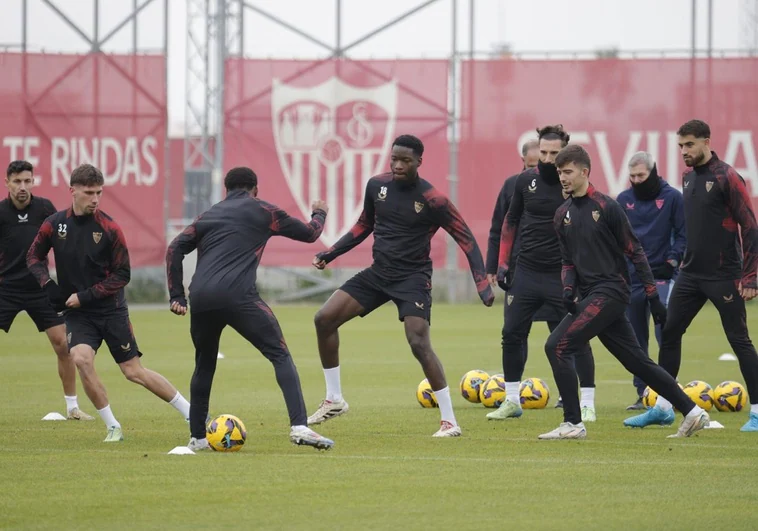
pixel 537 282
pixel 92 262
pixel 403 211
pixel 656 212
pixel 530 156
pixel 21 215
pixel 715 267
pixel 594 236
pixel 230 238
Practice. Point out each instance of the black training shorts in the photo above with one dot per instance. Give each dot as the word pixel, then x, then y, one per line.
pixel 34 302
pixel 412 295
pixel 113 327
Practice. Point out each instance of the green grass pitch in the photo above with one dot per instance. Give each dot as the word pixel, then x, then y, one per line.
pixel 385 470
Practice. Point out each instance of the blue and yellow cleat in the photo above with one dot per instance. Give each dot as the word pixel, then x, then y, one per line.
pixel 751 424
pixel 652 417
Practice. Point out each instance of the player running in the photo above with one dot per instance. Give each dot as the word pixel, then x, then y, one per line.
pixel 230 238
pixel 92 262
pixel 716 266
pixel 594 236
pixel 537 282
pixel 403 211
pixel 656 212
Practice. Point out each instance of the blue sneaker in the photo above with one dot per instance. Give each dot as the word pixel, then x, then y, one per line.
pixel 751 424
pixel 653 416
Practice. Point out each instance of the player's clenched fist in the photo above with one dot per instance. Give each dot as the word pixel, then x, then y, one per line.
pixel 318 204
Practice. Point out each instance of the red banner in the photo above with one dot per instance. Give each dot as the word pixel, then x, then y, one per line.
pixel 59 111
pixel 321 130
pixel 612 107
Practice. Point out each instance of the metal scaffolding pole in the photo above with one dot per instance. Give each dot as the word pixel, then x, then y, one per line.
pixel 453 125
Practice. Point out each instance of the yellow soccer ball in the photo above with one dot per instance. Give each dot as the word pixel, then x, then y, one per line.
pixel 471 383
pixel 534 393
pixel 226 433
pixel 701 393
pixel 729 396
pixel 492 391
pixel 649 397
pixel 425 395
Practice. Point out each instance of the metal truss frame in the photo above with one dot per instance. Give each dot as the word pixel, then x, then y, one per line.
pixel 222 22
pixel 96 42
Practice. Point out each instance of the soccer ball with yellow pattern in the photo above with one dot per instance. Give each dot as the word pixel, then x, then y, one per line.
pixel 730 396
pixel 701 393
pixel 425 395
pixel 492 391
pixel 650 397
pixel 471 383
pixel 534 393
pixel 226 433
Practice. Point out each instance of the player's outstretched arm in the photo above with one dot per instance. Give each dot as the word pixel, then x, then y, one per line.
pixel 359 232
pixel 450 219
pixel 36 257
pixel 282 224
pixel 508 234
pixel 738 202
pixel 496 228
pixel 184 243
pixel 119 270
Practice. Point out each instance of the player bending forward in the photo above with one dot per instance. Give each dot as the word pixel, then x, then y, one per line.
pixel 230 238
pixel 403 211
pixel 594 235
pixel 93 267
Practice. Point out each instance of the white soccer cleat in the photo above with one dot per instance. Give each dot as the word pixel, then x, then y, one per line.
pixel 565 431
pixel 78 414
pixel 197 445
pixel 448 429
pixel 304 436
pixel 328 409
pixel 690 425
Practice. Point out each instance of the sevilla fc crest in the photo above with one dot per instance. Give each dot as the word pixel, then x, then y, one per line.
pixel 330 140
pixel 659 203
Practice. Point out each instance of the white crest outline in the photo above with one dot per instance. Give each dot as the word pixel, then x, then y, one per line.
pixel 333 93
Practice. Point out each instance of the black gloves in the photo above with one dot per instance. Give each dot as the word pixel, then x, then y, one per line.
pixel 658 310
pixel 55 296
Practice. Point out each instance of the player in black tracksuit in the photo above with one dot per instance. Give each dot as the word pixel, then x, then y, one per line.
pixel 595 235
pixel 230 238
pixel 537 281
pixel 404 212
pixel 530 157
pixel 21 215
pixel 92 262
pixel 716 266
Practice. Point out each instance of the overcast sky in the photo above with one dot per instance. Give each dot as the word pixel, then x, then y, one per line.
pixel 525 25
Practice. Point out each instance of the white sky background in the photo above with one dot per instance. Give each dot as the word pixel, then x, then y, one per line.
pixel 526 25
